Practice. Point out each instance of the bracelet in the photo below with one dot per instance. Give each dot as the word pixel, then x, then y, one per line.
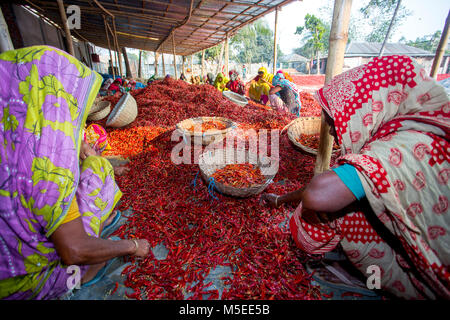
pixel 136 244
pixel 276 201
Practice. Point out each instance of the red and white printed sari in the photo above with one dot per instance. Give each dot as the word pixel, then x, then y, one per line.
pixel 393 125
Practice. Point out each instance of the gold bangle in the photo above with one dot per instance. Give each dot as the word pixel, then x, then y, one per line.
pixel 136 244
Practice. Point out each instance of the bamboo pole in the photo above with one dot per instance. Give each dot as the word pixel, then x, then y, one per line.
pixel 174 56
pixel 163 65
pixel 127 63
pixel 182 65
pixel 227 55
pixel 117 46
pixel 203 63
pixel 441 48
pixel 220 59
pixel 140 63
pixel 62 13
pixel 109 49
pixel 5 39
pixel 192 64
pixel 338 42
pixel 389 29
pixel 156 63
pixel 275 42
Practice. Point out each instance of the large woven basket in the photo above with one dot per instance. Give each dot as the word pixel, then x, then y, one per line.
pixel 211 161
pixel 307 125
pixel 98 105
pixel 236 98
pixel 100 114
pixel 123 113
pixel 205 137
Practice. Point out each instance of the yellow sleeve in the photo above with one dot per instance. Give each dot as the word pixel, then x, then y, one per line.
pixel 73 212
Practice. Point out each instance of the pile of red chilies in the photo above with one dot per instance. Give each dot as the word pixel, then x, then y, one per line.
pixel 202 233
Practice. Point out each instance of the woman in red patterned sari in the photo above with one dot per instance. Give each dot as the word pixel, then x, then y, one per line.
pixel 392 122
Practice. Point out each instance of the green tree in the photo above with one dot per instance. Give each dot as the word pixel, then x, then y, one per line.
pixel 313 32
pixel 254 43
pixel 378 15
pixel 428 42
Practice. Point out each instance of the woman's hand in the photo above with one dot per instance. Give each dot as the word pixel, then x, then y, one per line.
pixel 270 199
pixel 121 170
pixel 86 150
pixel 143 247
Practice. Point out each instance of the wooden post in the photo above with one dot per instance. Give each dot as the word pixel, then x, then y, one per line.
pixel 441 48
pixel 192 64
pixel 203 63
pixel 182 65
pixel 127 63
pixel 156 63
pixel 164 66
pixel 389 29
pixel 174 56
pixel 338 42
pixel 227 56
pixel 220 59
pixel 140 63
pixel 109 49
pixel 275 42
pixel 62 13
pixel 117 47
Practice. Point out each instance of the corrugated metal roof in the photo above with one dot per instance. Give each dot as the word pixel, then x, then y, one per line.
pixel 150 24
pixel 293 58
pixel 371 49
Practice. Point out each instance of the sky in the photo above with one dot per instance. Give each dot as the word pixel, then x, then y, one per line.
pixel 427 17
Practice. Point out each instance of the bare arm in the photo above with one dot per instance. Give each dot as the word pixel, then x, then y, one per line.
pixel 74 246
pixel 325 193
pixel 274 90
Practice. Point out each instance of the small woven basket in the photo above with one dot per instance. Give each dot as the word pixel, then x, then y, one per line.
pixel 123 113
pixel 209 136
pixel 236 98
pixel 102 113
pixel 211 161
pixel 307 125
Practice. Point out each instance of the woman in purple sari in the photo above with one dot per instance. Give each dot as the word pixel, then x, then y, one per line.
pixel 55 194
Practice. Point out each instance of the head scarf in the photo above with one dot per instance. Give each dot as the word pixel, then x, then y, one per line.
pixel 235 84
pixel 393 124
pixel 210 78
pixel 279 80
pixel 220 82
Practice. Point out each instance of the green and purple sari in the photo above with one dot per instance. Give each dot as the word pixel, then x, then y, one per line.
pixel 45 97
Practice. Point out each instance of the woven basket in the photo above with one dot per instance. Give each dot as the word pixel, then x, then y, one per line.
pixel 307 125
pixel 123 113
pixel 211 161
pixel 209 136
pixel 98 105
pixel 236 98
pixel 102 113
